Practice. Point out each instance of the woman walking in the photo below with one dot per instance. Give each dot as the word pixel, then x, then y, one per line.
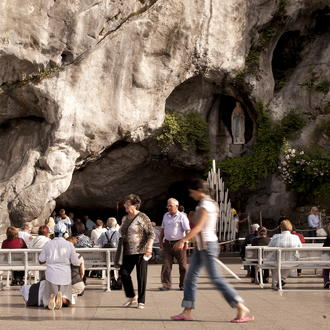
pixel 205 254
pixel 138 237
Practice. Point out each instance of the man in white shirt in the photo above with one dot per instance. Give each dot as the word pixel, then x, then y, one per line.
pixel 58 255
pixel 175 225
pixel 25 233
pixel 284 240
pixel 97 232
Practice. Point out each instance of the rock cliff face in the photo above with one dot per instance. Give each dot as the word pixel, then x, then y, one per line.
pixel 77 77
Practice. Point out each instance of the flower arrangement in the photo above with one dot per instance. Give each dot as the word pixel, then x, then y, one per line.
pixel 304 171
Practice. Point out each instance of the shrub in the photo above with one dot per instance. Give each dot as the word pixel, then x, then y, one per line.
pixel 189 132
pixel 247 171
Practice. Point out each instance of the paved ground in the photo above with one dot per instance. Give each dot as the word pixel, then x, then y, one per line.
pixel 303 305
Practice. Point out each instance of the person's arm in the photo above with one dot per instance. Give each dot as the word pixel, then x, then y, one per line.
pixel 150 237
pixel 161 238
pixel 82 267
pixel 74 256
pixel 202 216
pixel 185 225
pixel 42 256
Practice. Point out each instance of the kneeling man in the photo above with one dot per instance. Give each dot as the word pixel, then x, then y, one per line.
pixel 58 254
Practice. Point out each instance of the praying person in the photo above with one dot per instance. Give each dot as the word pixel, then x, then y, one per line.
pixel 58 255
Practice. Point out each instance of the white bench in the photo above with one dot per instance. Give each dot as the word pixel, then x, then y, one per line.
pixel 264 257
pixel 27 260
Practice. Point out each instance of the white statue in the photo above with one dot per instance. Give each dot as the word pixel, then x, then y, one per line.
pixel 238 124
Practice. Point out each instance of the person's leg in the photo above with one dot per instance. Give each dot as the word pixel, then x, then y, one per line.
pixel 265 275
pixel 141 274
pixel 181 257
pixel 213 269
pixel 49 293
pixel 126 268
pixel 253 274
pixel 274 278
pixel 232 297
pixel 326 273
pixel 284 274
pixel 167 265
pixel 190 286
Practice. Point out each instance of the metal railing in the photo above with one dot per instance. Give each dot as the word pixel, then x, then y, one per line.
pixel 27 260
pixel 286 258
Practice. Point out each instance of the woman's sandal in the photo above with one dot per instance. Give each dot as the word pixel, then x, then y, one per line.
pixel 181 317
pixel 243 319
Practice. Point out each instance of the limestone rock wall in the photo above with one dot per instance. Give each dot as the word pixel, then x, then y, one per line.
pixel 78 76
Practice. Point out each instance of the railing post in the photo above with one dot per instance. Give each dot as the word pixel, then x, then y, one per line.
pixel 279 257
pixel 25 267
pixel 108 271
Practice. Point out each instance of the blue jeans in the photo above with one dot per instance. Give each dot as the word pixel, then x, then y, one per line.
pixel 207 258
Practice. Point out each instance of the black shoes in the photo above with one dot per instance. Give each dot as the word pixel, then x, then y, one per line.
pixel 283 284
pixel 327 285
pixel 181 288
pixel 164 288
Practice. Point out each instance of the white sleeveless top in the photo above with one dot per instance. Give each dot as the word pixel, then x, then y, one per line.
pixel 208 233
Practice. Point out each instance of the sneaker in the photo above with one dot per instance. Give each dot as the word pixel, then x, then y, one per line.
pixel 130 302
pixel 140 306
pixel 327 285
pixel 51 304
pixel 58 300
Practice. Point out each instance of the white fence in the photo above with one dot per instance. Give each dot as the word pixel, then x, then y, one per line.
pixel 309 256
pixel 27 260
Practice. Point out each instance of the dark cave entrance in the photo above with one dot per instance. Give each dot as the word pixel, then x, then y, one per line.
pixel 99 188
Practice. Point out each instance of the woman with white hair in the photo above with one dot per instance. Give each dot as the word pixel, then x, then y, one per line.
pixel 111 236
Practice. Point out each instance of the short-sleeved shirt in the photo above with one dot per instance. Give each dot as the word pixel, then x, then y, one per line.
pixel 59 254
pixel 175 225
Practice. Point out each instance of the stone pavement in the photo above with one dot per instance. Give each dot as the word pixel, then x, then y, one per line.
pixel 303 305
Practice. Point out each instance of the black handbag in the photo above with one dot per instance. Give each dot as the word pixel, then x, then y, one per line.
pixel 116 284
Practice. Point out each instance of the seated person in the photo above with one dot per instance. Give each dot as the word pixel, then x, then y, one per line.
pixel 77 273
pixel 58 255
pixel 83 241
pixel 247 241
pixel 111 236
pixel 42 238
pixel 260 240
pixel 284 240
pixel 14 242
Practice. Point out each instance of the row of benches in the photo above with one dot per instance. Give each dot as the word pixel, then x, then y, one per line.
pixel 310 256
pixel 27 260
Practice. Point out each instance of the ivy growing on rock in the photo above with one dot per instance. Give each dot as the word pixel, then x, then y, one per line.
pixel 188 131
pixel 247 171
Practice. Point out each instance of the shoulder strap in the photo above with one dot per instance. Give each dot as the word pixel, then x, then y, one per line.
pixel 109 239
pixel 131 221
pixel 112 235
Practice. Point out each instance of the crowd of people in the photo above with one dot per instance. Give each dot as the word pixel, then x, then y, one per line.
pixel 137 239
pixel 288 238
